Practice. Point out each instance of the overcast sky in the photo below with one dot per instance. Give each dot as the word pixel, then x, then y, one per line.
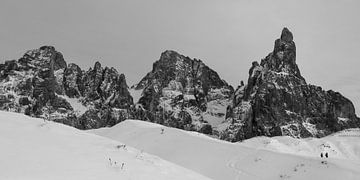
pixel 226 34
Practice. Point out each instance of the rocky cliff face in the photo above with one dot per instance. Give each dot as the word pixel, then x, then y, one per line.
pixel 178 92
pixel 278 101
pixel 182 92
pixel 41 84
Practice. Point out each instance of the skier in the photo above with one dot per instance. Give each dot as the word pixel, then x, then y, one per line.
pixel 326 155
pixel 321 155
pixel 122 165
pixel 162 130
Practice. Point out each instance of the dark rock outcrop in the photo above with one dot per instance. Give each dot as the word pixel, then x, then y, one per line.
pixel 24 101
pixel 177 91
pixel 45 84
pixel 72 80
pixel 278 101
pixel 106 86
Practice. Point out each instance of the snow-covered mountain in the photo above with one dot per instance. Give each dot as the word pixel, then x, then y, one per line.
pixel 32 148
pixel 178 92
pixel 42 84
pixel 277 101
pixel 184 93
pixel 257 158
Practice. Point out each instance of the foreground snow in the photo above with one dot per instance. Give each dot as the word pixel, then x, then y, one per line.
pixel 343 145
pixel 34 149
pixel 258 158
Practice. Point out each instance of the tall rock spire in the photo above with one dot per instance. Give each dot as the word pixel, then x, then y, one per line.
pixel 278 101
pixel 283 57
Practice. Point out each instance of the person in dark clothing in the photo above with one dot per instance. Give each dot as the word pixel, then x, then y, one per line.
pixel 321 155
pixel 326 155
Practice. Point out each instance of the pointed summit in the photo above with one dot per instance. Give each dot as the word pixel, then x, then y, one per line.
pixel 169 53
pixel 286 35
pixel 175 66
pixel 283 57
pixel 278 101
pixel 178 90
pixel 97 65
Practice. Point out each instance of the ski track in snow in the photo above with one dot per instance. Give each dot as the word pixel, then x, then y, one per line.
pixel 234 164
pixel 36 149
pixel 258 158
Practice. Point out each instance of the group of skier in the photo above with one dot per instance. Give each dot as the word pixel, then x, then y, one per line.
pixel 116 164
pixel 322 155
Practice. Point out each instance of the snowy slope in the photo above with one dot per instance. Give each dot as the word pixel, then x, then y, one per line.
pixel 34 149
pixel 223 160
pixel 341 145
pixel 136 94
pixel 75 103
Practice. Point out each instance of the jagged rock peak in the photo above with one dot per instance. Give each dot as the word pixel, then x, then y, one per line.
pixel 97 65
pixel 42 82
pixel 285 44
pixel 72 81
pixel 283 58
pixel 286 35
pixel 174 66
pixel 43 56
pixel 73 66
pixel 168 53
pixel 178 91
pixel 172 57
pixel 277 101
pixel 51 48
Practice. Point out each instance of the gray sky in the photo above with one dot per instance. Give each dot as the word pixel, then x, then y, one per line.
pixel 227 35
